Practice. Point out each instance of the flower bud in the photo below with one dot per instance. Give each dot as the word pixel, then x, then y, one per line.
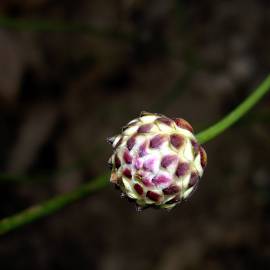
pixel 157 161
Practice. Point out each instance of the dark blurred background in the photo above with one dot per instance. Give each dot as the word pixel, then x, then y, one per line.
pixel 63 92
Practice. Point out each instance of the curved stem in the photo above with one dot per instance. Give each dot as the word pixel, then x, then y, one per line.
pixel 51 206
pixel 57 26
pixel 218 128
pixel 48 207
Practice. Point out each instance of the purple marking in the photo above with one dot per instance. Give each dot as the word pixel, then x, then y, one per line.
pixel 203 157
pixel 182 169
pixel 194 179
pixel 165 121
pixel 127 157
pixel 145 128
pixel 153 196
pixel 183 124
pixel 138 163
pixel 149 165
pixel 168 160
pixel 127 173
pixel 172 189
pixel 147 182
pixel 161 180
pixel 157 141
pixel 195 146
pixel 117 162
pixel 139 189
pixel 142 149
pixel 176 140
pixel 131 142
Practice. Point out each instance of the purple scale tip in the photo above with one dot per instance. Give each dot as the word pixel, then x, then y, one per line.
pixel 138 163
pixel 157 141
pixel 127 157
pixel 161 180
pixel 203 157
pixel 153 196
pixel 147 182
pixel 172 189
pixel 127 173
pixel 142 149
pixel 196 147
pixel 149 164
pixel 139 189
pixel 117 162
pixel 165 121
pixel 194 179
pixel 131 142
pixel 182 169
pixel 180 122
pixel 168 160
pixel 176 140
pixel 145 128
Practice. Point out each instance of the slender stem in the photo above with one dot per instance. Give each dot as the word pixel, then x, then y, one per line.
pixel 218 128
pixel 45 175
pixel 57 26
pixel 51 206
pixel 48 207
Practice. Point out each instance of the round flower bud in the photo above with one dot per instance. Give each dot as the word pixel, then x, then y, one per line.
pixel 157 161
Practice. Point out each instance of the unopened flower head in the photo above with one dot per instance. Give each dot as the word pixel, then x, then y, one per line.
pixel 157 161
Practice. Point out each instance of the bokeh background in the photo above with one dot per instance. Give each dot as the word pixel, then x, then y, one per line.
pixel 64 88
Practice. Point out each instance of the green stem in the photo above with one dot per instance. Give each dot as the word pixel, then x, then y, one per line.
pixel 218 128
pixel 51 206
pixel 56 26
pixel 45 175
